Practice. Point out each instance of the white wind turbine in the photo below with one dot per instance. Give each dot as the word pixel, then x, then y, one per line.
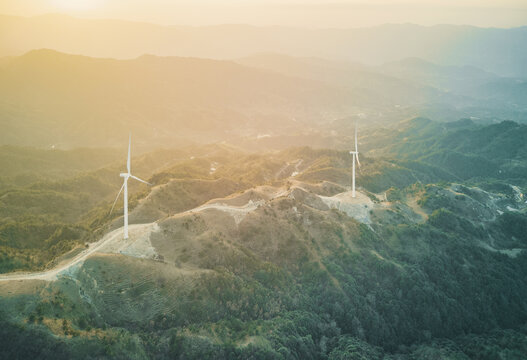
pixel 355 158
pixel 126 176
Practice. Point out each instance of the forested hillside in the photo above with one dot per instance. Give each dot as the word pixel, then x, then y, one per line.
pixel 466 150
pixel 263 256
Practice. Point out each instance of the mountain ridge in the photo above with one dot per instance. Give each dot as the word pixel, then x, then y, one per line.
pixel 471 46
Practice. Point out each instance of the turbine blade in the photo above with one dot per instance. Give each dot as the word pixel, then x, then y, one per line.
pixel 358 162
pixel 356 145
pixel 129 146
pixel 117 197
pixel 135 177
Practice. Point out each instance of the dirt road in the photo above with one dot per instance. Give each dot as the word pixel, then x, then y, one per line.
pixel 50 275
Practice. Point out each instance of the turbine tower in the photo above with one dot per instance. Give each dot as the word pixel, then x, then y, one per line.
pixel 355 158
pixel 126 176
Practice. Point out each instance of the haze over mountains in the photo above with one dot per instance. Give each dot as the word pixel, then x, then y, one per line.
pixel 198 99
pixel 176 85
pixel 249 241
pixel 501 51
pixel 170 101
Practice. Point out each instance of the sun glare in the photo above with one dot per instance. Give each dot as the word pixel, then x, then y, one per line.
pixel 76 5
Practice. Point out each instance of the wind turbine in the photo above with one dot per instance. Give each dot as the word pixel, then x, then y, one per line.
pixel 355 158
pixel 126 176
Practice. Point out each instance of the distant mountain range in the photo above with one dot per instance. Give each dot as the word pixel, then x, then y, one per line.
pixel 501 51
pixel 53 99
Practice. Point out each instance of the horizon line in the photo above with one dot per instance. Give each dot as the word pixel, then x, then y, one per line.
pixel 314 28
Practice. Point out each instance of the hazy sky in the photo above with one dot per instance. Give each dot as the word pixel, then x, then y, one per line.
pixel 310 13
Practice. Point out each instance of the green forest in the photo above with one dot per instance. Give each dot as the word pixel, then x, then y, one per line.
pixel 291 281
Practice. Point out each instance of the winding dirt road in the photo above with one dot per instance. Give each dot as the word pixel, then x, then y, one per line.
pixel 50 275
pixel 238 212
pixel 113 242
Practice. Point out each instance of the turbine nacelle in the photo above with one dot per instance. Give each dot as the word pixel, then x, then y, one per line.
pixel 124 175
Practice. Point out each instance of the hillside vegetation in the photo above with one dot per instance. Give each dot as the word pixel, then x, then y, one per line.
pixel 467 151
pixel 249 260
